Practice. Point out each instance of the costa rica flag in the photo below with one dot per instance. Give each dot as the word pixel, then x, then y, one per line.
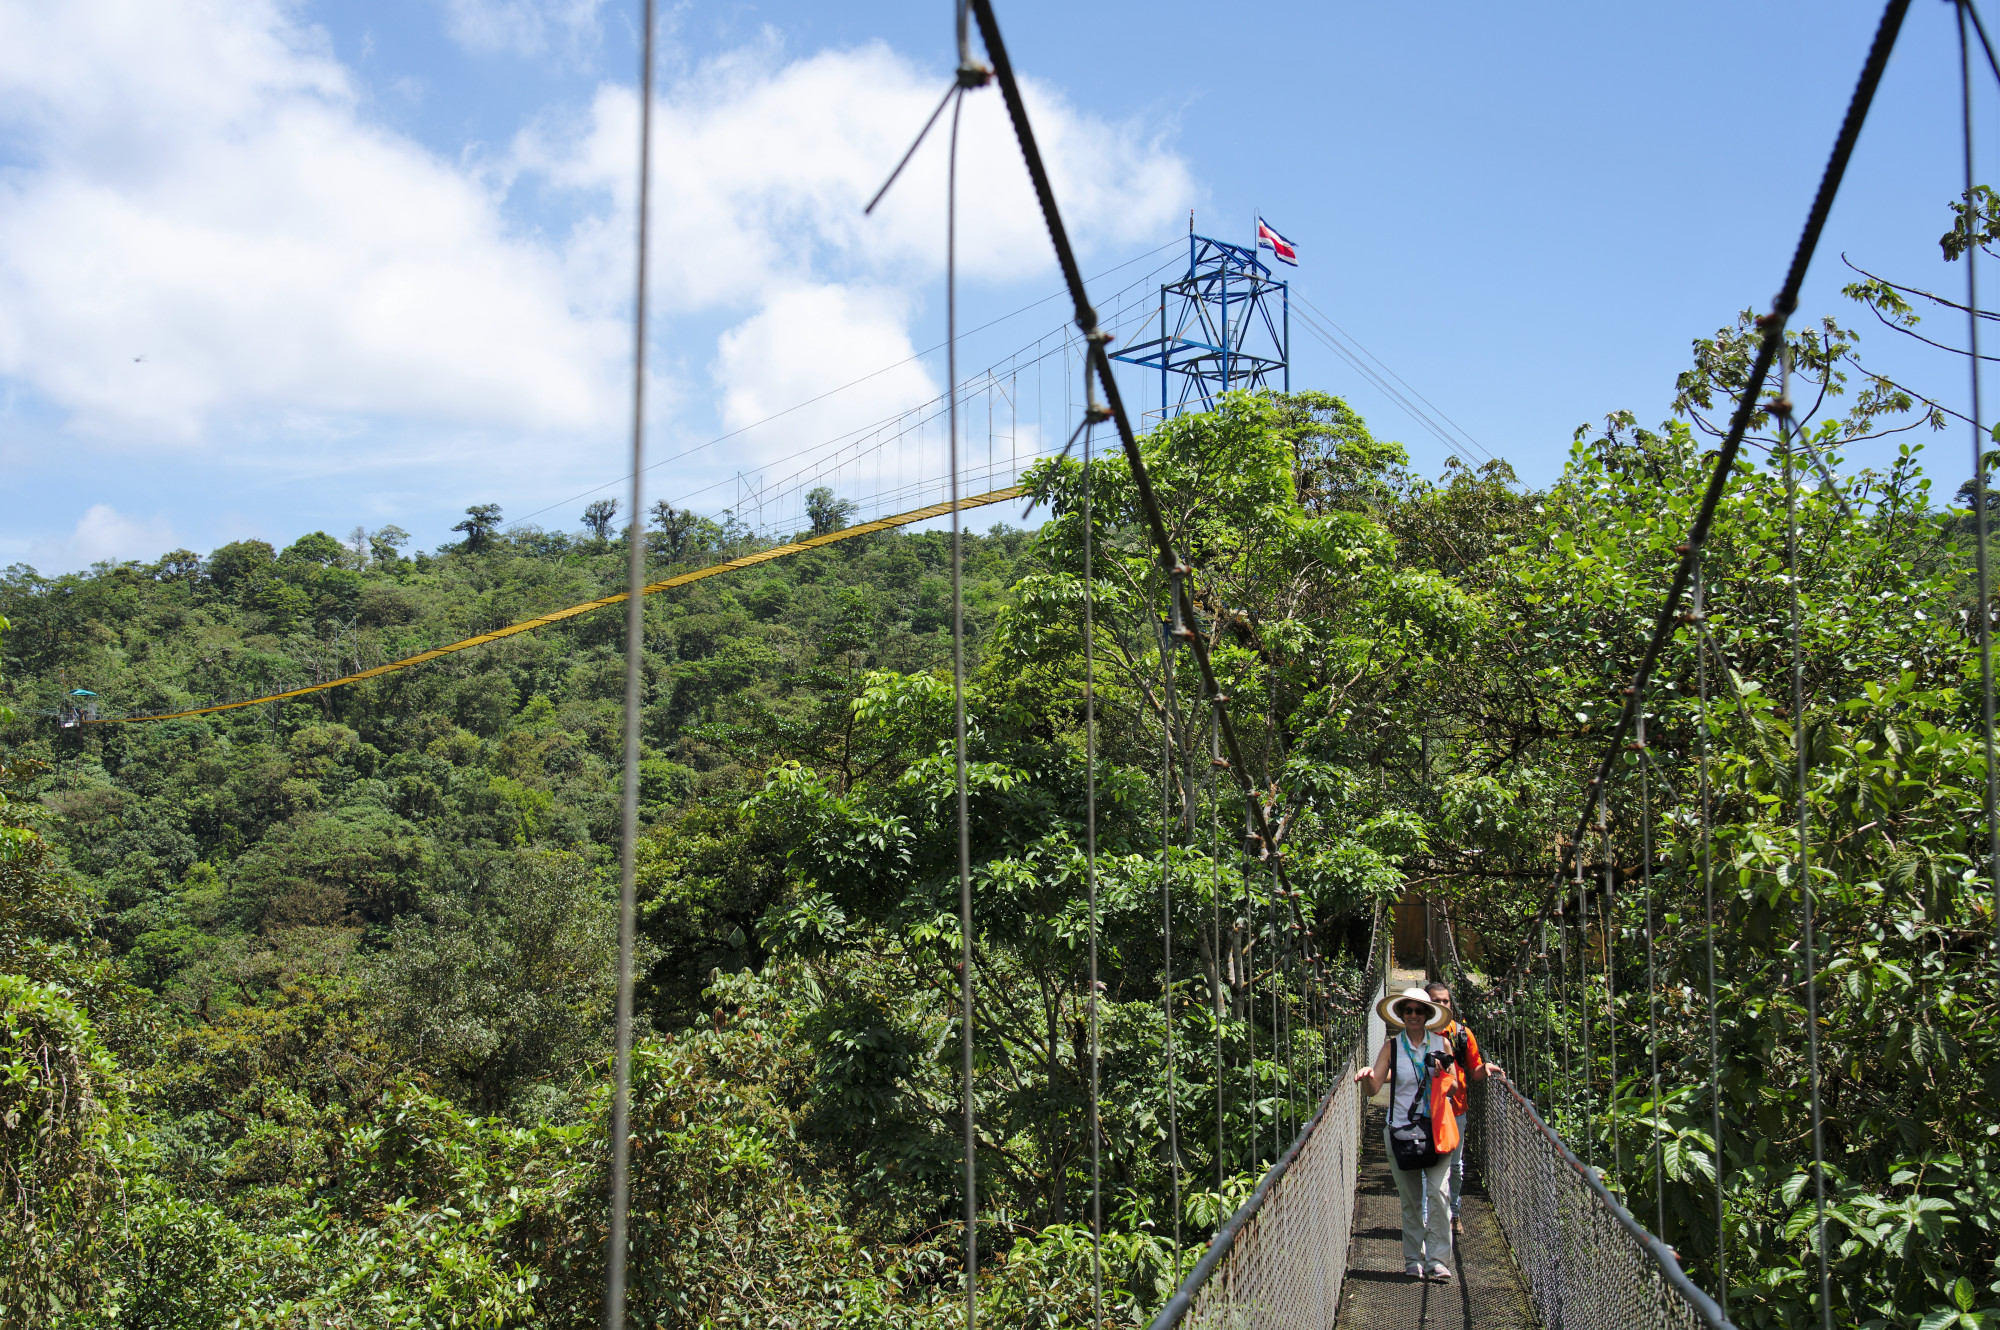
pixel 1281 249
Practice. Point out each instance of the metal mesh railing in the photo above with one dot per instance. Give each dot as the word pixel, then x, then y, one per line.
pixel 1587 1263
pixel 1280 1260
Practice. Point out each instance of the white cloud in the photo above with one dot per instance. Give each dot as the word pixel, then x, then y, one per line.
pixel 104 533
pixel 525 27
pixel 207 241
pixel 803 343
pixel 209 227
pixel 762 167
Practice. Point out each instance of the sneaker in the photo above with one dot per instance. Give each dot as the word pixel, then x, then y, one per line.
pixel 1457 1226
pixel 1440 1272
pixel 1415 1269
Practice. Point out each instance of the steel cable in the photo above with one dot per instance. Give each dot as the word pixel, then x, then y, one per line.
pixel 1277 1261
pixel 1167 718
pixel 1221 973
pixel 1772 327
pixel 958 704
pixel 635 626
pixel 1248 939
pixel 1277 989
pixel 1981 519
pixel 1802 871
pixel 1098 361
pixel 786 550
pixel 854 383
pixel 1090 869
pixel 1561 1004
pixel 1696 615
pixel 1611 939
pixel 1429 405
pixel 1652 976
pixel 1587 1263
pixel 1583 1009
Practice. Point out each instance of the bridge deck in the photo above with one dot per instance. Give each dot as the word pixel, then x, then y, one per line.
pixel 1486 1292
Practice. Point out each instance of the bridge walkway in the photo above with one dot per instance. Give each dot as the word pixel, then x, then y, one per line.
pixel 1486 1291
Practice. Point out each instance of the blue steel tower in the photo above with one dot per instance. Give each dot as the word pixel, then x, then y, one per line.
pixel 1225 326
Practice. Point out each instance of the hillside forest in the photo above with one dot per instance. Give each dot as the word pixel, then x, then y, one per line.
pixel 306 1007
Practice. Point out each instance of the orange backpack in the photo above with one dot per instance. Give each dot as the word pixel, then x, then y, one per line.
pixel 1444 1122
pixel 1442 1128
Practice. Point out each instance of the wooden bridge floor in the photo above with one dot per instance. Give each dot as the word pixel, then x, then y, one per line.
pixel 1485 1292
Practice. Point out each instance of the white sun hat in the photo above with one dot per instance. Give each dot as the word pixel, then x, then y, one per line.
pixel 1386 1009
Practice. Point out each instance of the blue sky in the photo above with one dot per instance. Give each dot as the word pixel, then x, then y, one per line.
pixel 271 267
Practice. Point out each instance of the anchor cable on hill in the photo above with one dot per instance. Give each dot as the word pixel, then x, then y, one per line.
pixel 923 514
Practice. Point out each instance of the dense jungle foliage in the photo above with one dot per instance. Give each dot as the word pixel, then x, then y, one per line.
pixel 307 1005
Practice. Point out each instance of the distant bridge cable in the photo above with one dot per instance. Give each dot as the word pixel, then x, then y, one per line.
pixel 852 383
pixel 936 407
pixel 1360 367
pixel 923 514
pixel 1458 428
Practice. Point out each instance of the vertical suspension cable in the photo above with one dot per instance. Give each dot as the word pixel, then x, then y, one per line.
pixel 1562 990
pixel 1277 987
pixel 1550 1035
pixel 1247 933
pixel 1090 861
pixel 1803 870
pixel 1288 1001
pixel 1652 977
pixel 635 633
pixel 1014 421
pixel 1980 517
pixel 958 699
pixel 1697 614
pixel 1215 903
pixel 1294 1012
pixel 1285 954
pixel 1167 917
pixel 1610 991
pixel 1583 1008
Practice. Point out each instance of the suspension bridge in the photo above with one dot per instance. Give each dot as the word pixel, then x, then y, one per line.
pixel 1548 1238
pixel 1550 1243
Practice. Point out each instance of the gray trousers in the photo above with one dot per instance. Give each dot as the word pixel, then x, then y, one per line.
pixel 1426 1207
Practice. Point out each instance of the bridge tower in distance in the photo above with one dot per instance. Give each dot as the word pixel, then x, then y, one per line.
pixel 1225 326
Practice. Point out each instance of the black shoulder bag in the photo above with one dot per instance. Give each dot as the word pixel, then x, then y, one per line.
pixel 1412 1143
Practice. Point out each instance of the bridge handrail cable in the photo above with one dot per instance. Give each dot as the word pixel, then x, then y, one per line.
pixel 1561 1242
pixel 1282 1263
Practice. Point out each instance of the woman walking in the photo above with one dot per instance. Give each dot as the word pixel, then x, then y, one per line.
pixel 1421 1131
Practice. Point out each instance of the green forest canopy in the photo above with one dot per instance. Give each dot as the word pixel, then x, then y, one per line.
pixel 307 1006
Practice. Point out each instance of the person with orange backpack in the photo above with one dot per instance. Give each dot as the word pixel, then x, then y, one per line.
pixel 1421 1131
pixel 1468 1065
